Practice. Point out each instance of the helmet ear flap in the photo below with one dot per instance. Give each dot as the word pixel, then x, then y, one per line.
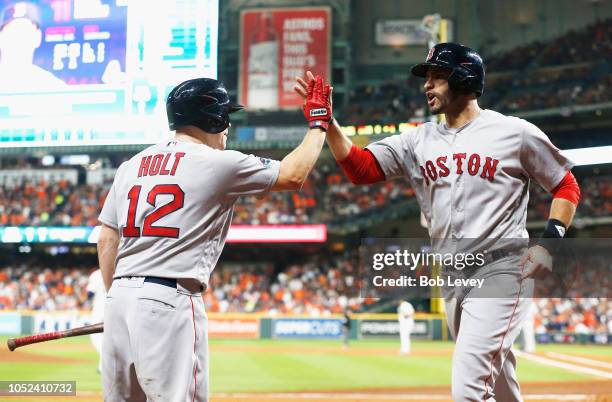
pixel 461 80
pixel 215 123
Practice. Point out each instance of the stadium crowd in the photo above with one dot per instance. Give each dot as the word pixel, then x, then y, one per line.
pixel 327 197
pixel 575 315
pixel 322 288
pixel 43 203
pixel 563 73
pixel 565 49
pixel 315 288
pixel 41 288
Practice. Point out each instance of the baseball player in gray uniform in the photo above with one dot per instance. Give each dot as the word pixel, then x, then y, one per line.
pixel 471 175
pixel 164 224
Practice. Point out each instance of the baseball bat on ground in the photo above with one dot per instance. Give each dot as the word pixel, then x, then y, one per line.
pixel 15 343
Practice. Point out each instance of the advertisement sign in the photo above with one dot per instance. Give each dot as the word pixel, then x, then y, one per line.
pixel 408 32
pixel 31 176
pixel 574 338
pixel 296 133
pixel 390 328
pixel 220 327
pixel 402 32
pixel 100 176
pixel 277 234
pixel 236 234
pixel 10 324
pixel 56 321
pixel 306 328
pixel 276 45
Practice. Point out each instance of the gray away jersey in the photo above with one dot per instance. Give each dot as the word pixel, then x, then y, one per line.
pixel 172 204
pixel 473 183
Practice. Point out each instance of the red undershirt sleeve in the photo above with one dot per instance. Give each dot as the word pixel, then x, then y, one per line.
pixel 361 167
pixel 568 189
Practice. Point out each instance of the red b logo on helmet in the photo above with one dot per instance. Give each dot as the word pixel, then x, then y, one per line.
pixel 430 54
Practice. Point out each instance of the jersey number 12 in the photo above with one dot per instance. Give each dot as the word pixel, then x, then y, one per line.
pixel 131 230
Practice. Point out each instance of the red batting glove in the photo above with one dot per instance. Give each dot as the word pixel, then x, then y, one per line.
pixel 318 105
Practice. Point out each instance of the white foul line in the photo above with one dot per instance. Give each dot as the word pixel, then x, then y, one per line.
pixel 382 397
pixel 566 366
pixel 579 359
pixel 578 397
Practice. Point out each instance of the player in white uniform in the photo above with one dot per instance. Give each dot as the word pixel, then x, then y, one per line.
pixel 471 178
pixel 405 318
pixel 528 340
pixel 165 221
pixel 96 291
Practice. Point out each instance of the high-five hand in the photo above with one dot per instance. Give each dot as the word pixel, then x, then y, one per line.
pixel 301 88
pixel 318 106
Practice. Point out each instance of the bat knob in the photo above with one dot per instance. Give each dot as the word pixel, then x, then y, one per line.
pixel 11 344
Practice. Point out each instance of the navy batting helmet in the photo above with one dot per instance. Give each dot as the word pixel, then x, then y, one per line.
pixel 467 70
pixel 201 102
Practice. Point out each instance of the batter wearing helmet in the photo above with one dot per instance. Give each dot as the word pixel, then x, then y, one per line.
pixel 164 225
pixel 471 175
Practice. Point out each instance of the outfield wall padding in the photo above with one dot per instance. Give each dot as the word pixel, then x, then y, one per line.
pixel 259 326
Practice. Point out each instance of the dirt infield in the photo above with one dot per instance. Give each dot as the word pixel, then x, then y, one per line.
pixel 394 397
pixel 26 356
pixel 594 391
pixel 586 391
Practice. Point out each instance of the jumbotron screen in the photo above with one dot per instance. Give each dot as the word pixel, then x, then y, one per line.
pixel 97 72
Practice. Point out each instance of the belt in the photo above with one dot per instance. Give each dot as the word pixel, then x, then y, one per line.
pixel 172 283
pixel 161 281
pixel 494 255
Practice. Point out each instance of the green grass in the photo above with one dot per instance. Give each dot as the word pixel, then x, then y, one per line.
pixel 304 370
pixel 289 365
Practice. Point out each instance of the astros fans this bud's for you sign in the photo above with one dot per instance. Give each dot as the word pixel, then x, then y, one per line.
pixel 278 44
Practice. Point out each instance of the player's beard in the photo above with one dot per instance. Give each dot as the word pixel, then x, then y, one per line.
pixel 443 102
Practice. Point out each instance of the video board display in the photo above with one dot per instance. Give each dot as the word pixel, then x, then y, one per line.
pixel 97 72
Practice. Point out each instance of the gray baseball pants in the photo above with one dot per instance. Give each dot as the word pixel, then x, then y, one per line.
pixel 155 343
pixel 485 323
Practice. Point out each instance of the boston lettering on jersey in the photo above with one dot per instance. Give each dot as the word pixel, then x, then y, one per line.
pixel 152 165
pixel 475 165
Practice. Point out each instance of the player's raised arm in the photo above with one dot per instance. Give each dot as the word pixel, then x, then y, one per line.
pixel 339 144
pixel 360 166
pixel 296 166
